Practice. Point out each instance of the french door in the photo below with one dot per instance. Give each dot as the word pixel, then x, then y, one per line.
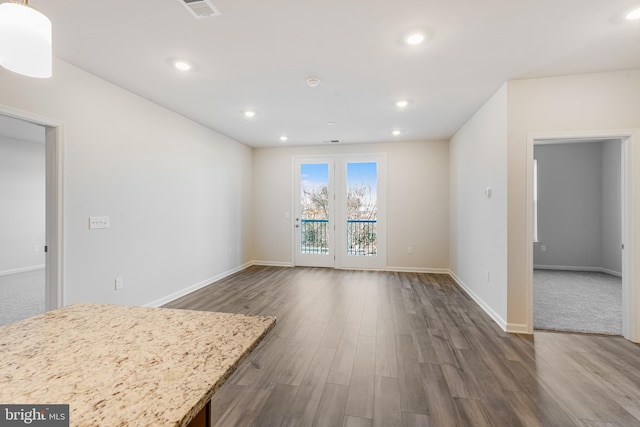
pixel 339 211
pixel 314 214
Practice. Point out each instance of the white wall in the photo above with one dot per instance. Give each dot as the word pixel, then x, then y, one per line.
pixel 579 206
pixel 417 201
pixel 591 102
pixel 178 194
pixel 22 204
pixel 478 160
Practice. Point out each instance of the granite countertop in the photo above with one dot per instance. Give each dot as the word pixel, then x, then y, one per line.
pixel 120 366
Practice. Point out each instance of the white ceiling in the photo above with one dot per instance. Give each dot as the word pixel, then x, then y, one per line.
pixel 258 54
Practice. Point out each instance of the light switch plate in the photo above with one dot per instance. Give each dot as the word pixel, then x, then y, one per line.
pixel 96 222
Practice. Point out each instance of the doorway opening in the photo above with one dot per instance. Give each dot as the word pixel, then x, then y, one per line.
pixel 577 254
pixel 31 191
pixel 630 245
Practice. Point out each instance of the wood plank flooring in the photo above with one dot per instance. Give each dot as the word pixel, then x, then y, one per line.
pixel 359 348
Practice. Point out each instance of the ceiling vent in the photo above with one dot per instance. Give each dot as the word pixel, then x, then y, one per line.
pixel 332 141
pixel 200 8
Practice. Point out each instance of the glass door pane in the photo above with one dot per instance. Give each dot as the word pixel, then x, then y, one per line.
pixel 362 209
pixel 361 192
pixel 314 208
pixel 314 230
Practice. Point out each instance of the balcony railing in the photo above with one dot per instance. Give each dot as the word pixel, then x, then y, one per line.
pixel 361 237
pixel 314 236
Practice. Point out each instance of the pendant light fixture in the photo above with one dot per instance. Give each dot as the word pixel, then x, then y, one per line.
pixel 25 40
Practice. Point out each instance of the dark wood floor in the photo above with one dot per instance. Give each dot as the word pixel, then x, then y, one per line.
pixel 355 348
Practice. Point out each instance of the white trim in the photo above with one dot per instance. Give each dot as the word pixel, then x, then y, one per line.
pixel 487 309
pixel 611 272
pixel 631 221
pixel 577 268
pixel 419 270
pixel 21 270
pixel 527 328
pixel 517 328
pixel 174 296
pixel 631 237
pixel 273 264
pixel 55 149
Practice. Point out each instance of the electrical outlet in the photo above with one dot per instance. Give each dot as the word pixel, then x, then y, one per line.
pixel 410 249
pixel 36 248
pixel 543 248
pixel 119 283
pixel 488 277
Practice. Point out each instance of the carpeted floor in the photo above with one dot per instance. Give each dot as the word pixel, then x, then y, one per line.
pixel 21 296
pixel 577 301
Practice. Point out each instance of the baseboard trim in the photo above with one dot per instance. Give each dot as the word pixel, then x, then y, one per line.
pixel 578 268
pixel 22 270
pixel 518 328
pixel 389 268
pixel 174 296
pixel 419 270
pixel 487 309
pixel 272 264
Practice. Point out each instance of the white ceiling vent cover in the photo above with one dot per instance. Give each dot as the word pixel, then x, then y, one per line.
pixel 200 8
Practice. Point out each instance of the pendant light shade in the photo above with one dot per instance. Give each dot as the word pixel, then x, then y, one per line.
pixel 25 40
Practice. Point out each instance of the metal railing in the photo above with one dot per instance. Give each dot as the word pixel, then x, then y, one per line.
pixel 314 236
pixel 361 237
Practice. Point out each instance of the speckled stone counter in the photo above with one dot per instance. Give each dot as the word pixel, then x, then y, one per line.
pixel 124 366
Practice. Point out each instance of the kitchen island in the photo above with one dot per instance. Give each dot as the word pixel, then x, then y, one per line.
pixel 125 366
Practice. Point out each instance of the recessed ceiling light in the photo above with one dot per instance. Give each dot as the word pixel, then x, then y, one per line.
pixel 283 138
pixel 182 65
pixel 396 132
pixel 331 123
pixel 414 38
pixel 402 103
pixel 633 15
pixel 249 113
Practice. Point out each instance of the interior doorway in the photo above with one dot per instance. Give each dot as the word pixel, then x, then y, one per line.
pixel 22 219
pixel 577 259
pixel 31 190
pixel 630 247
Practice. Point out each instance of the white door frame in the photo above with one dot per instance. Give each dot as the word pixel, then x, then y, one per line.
pixel 630 221
pixel 337 177
pixel 344 261
pixel 314 260
pixel 54 148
